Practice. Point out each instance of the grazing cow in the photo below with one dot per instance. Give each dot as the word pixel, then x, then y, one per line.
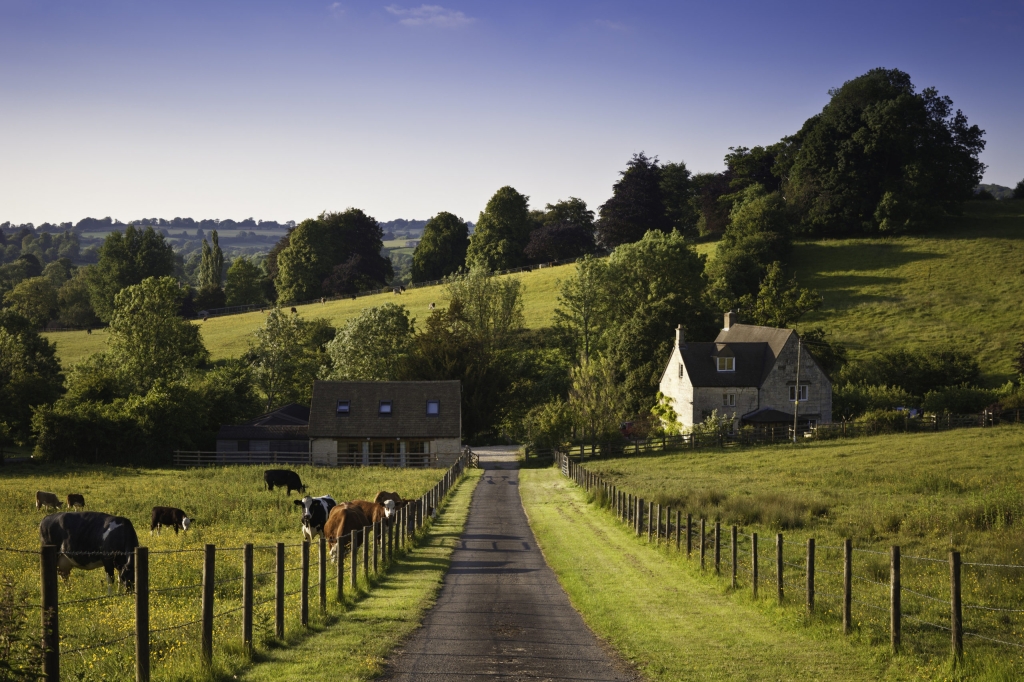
pixel 344 519
pixel 375 512
pixel 88 540
pixel 384 496
pixel 315 512
pixel 431 307
pixel 283 478
pixel 294 310
pixel 76 500
pixel 46 500
pixel 169 516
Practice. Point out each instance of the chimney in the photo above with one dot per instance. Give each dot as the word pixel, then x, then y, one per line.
pixel 731 318
pixel 680 343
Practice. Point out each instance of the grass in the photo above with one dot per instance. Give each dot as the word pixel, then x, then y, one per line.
pixel 928 493
pixel 231 507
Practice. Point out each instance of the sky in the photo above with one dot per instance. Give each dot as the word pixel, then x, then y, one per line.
pixel 281 110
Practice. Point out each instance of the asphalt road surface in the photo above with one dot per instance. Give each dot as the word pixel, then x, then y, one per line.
pixel 501 614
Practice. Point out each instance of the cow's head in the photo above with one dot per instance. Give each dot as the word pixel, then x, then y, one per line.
pixel 389 508
pixel 186 522
pixel 306 502
pixel 126 571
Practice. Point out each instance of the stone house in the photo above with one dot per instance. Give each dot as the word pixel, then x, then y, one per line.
pixel 748 374
pixel 389 423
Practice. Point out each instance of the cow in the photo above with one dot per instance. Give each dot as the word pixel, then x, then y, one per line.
pixel 283 478
pixel 47 500
pixel 384 495
pixel 344 519
pixel 315 512
pixel 294 311
pixel 88 540
pixel 375 512
pixel 169 516
pixel 76 500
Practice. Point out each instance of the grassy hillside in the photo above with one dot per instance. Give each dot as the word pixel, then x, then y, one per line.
pixel 962 287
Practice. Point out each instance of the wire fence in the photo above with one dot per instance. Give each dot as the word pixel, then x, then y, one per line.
pixel 920 601
pixel 176 604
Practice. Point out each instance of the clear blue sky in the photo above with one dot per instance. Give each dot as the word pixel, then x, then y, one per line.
pixel 279 110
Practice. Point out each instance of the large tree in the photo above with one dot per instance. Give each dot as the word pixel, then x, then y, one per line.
pixel 286 354
pixel 678 192
pixel 636 205
pixel 566 232
pixel 30 374
pixel 442 249
pixel 334 253
pixel 244 285
pixel 372 346
pixel 881 157
pixel 126 259
pixel 35 299
pixel 502 232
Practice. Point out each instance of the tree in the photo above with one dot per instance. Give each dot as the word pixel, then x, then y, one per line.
pixel 636 205
pixel 566 232
pixel 74 305
pixel 148 341
pixel 333 253
pixel 830 355
pixel 881 157
pixel 373 346
pixel 596 399
pixel 286 354
pixel 35 299
pixel 126 259
pixel 580 316
pixel 30 374
pixel 59 272
pixel 1018 191
pixel 244 285
pixel 779 302
pixel 442 248
pixel 1018 360
pixel 678 192
pixel 753 167
pixel 491 307
pixel 502 232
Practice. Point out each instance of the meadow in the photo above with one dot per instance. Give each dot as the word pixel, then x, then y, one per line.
pixel 927 493
pixel 231 507
pixel 960 286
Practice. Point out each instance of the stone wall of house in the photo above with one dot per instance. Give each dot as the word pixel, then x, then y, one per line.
pixel 325 451
pixel 680 390
pixel 706 400
pixel 775 390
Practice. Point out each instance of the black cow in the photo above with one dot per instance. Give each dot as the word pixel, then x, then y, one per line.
pixel 88 540
pixel 283 478
pixel 169 516
pixel 315 512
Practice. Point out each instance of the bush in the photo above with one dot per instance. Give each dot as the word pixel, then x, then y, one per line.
pixel 961 399
pixel 850 401
pixel 884 421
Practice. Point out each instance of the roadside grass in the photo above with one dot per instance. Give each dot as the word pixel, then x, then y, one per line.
pixel 360 638
pixel 670 621
pixel 928 493
pixel 231 507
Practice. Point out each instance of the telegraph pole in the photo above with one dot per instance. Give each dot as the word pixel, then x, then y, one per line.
pixel 796 403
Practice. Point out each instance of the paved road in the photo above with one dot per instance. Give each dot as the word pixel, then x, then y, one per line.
pixel 501 614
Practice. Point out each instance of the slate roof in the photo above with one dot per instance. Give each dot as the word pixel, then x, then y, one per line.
pixel 409 409
pixel 702 368
pixel 289 422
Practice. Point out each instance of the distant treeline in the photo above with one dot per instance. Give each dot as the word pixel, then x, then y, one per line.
pixel 108 224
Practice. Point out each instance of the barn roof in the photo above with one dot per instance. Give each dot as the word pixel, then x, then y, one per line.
pixel 289 422
pixel 408 417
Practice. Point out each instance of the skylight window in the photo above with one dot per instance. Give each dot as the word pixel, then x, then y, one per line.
pixel 433 408
pixel 343 407
pixel 385 408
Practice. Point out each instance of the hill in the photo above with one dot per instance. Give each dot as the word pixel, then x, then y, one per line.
pixel 961 286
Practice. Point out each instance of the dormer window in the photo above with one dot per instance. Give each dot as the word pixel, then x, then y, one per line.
pixel 343 408
pixel 385 408
pixel 727 364
pixel 433 408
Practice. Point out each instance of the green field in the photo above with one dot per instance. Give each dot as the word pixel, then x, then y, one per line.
pixel 927 493
pixel 231 507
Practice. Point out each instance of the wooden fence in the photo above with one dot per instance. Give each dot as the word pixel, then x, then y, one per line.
pixel 380 541
pixel 649 521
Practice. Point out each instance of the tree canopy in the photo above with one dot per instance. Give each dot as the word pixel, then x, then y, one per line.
pixel 442 248
pixel 285 355
pixel 636 205
pixel 30 374
pixel 372 346
pixel 125 259
pixel 244 285
pixel 566 232
pixel 502 232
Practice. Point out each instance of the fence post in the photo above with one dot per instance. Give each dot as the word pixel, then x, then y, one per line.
pixel 956 621
pixel 209 566
pixel 141 614
pixel 639 516
pixel 341 569
pixel 353 560
pixel 779 566
pixel 376 547
pixel 753 562
pixel 734 557
pixel 810 575
pixel 304 590
pixel 689 535
pixel 894 599
pixel 391 542
pixel 657 526
pixel 279 591
pixel 48 603
pixel 247 598
pixel 323 572
pixel 650 520
pixel 703 543
pixel 366 555
pixel 847 584
pixel 679 533
pixel 718 548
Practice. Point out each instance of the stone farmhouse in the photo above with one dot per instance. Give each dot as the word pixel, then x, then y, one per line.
pixel 749 375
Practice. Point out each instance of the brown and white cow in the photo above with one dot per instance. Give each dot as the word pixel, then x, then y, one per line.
pixel 47 500
pixel 383 496
pixel 344 519
pixel 374 511
pixel 169 516
pixel 76 500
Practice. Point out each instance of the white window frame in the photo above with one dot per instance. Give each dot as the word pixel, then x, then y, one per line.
pixel 803 393
pixel 729 399
pixel 727 364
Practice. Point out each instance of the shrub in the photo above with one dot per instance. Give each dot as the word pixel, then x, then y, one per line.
pixel 884 421
pixel 961 399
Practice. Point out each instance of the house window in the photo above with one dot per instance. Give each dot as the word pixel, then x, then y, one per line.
pixel 433 408
pixel 343 407
pixel 353 448
pixel 726 364
pixel 682 371
pixel 385 408
pixel 243 446
pixel 792 393
pixel 729 399
pixel 417 447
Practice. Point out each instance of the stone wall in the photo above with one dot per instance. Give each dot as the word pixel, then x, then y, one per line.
pixel 775 390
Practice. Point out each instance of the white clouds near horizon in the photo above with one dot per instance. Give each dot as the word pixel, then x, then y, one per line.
pixel 430 15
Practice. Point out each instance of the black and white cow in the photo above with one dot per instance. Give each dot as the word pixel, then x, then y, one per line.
pixel 315 511
pixel 169 516
pixel 88 540
pixel 283 478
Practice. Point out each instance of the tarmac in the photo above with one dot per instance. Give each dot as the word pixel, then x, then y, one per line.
pixel 501 614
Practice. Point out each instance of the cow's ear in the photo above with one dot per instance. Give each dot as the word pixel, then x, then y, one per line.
pixel 298 502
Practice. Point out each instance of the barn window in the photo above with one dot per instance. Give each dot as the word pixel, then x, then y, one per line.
pixel 385 408
pixel 727 364
pixel 433 408
pixel 417 447
pixel 792 393
pixel 729 399
pixel 343 407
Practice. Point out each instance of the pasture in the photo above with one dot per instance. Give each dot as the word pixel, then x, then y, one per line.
pixel 927 493
pixel 231 507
